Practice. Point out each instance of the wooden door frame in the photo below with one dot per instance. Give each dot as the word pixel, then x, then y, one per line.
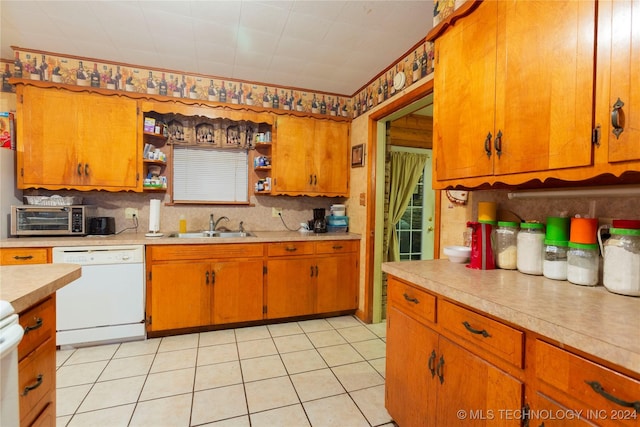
pixel 369 255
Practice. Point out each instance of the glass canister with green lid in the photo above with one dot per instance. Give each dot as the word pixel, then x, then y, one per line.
pixel 583 263
pixel 530 248
pixel 621 264
pixel 506 238
pixel 554 265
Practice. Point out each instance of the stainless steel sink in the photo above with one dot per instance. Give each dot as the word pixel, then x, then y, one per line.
pixel 208 234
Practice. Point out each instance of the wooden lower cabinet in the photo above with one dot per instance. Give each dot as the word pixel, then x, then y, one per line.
pixel 487 395
pixel 432 381
pixel 291 287
pixel 410 386
pixel 451 365
pixel 37 364
pixel 312 278
pixel 179 298
pixel 194 286
pixel 20 256
pixel 191 286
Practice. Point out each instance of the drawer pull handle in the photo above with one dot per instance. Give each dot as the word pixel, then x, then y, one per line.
pixel 411 299
pixel 336 247
pixel 79 170
pixel 483 332
pixel 37 384
pixel 597 387
pixel 33 327
pixel 311 271
pixel 290 249
pixel 432 360
pixel 22 257
pixel 439 369
pixel 617 118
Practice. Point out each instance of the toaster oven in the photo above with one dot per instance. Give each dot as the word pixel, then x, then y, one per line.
pixel 32 220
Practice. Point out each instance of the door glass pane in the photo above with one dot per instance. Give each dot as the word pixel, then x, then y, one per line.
pixel 410 226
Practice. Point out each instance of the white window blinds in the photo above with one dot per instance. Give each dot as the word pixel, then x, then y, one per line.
pixel 210 175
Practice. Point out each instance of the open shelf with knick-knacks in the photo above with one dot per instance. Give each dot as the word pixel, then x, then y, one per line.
pixel 262 160
pixel 154 156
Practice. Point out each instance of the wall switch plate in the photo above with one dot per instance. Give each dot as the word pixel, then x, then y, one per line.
pixel 129 213
pixel 276 212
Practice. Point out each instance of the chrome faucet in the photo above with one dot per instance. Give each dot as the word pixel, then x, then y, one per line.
pixel 241 227
pixel 215 224
pixel 212 224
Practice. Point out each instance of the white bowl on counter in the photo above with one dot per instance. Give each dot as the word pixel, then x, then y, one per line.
pixel 458 254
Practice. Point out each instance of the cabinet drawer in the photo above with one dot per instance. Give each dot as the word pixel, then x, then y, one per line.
pixel 18 256
pixel 410 300
pixel 39 325
pixel 210 251
pixel 36 376
pixel 290 248
pixel 480 332
pixel 337 246
pixel 591 384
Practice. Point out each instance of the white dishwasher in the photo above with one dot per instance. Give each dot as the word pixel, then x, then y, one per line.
pixel 106 304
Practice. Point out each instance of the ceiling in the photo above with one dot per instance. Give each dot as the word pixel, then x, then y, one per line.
pixel 328 46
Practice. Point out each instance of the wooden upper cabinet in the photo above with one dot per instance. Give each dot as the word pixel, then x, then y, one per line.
pixel 619 52
pixel 311 157
pixel 513 90
pixel 76 140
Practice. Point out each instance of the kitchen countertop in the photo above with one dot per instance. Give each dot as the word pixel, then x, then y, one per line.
pixel 589 319
pixel 140 239
pixel 25 285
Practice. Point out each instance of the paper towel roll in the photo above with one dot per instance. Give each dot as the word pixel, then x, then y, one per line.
pixel 154 216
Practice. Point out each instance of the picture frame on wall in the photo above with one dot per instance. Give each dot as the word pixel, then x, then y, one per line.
pixel 357 156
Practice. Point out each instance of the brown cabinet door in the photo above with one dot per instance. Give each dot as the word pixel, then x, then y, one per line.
pixel 108 137
pixel 544 91
pixel 624 58
pixel 292 155
pixel 291 287
pixel 180 295
pixel 410 390
pixel 237 291
pixel 487 395
pixel 330 170
pixel 337 283
pixel 47 122
pixel 464 101
pixel 76 140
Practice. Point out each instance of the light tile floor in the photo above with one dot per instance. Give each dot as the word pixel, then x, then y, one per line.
pixel 320 373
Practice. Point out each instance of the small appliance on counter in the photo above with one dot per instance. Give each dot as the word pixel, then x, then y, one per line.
pixel 102 225
pixel 482 257
pixel 319 221
pixel 40 220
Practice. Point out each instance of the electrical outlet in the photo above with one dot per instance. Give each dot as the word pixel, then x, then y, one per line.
pixel 129 213
pixel 276 212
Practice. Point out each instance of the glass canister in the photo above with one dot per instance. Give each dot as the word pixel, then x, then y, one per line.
pixel 506 238
pixel 554 265
pixel 622 262
pixel 583 261
pixel 530 248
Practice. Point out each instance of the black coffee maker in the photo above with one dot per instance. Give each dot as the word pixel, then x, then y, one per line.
pixel 319 221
